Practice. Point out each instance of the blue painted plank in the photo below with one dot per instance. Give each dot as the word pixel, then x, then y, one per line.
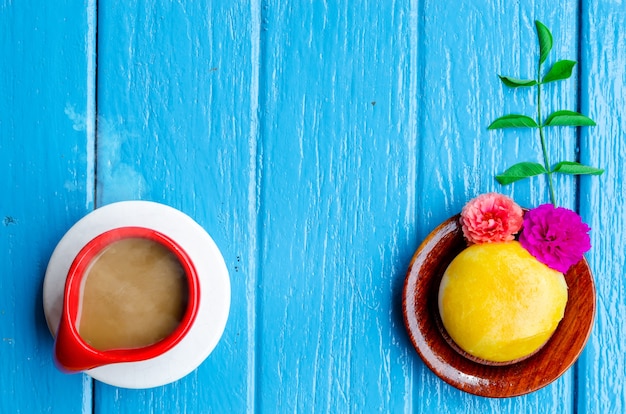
pixel 46 165
pixel 338 202
pixel 461 50
pixel 177 102
pixel 602 386
pixel 318 144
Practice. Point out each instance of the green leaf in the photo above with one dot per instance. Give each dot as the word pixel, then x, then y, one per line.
pixel 545 41
pixel 576 168
pixel 513 121
pixel 568 118
pixel 520 171
pixel 516 83
pixel 560 70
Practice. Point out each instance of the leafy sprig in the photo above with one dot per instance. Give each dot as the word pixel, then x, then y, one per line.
pixel 560 70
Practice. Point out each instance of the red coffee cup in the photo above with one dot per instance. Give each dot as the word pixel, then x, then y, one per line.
pixel 72 352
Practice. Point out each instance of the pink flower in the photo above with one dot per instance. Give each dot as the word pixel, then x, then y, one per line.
pixel 556 236
pixel 491 217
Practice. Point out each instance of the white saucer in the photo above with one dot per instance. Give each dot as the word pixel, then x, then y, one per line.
pixel 212 315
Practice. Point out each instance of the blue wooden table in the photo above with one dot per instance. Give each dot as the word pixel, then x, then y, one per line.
pixel 318 143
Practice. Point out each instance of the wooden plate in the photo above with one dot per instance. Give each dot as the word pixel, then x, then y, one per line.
pixel 420 310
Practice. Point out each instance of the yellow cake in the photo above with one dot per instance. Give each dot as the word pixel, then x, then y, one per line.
pixel 498 303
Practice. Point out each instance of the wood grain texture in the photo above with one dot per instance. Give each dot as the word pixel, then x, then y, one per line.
pixel 462 49
pixel 337 206
pixel 602 383
pixel 177 97
pixel 46 170
pixel 318 143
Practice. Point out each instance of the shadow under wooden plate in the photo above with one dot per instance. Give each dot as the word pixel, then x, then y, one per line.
pixel 420 311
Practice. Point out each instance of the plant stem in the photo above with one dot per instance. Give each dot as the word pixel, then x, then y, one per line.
pixel 546 160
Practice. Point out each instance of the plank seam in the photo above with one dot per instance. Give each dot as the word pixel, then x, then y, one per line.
pixel 91 117
pixel 257 132
pixel 94 5
pixel 93 23
pixel 577 181
pixel 417 36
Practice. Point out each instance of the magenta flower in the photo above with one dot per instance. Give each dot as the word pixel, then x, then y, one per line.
pixel 491 217
pixel 556 236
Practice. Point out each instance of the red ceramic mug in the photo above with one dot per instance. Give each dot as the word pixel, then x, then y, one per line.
pixel 72 352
